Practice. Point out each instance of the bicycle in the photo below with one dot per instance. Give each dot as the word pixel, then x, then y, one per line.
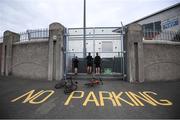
pixel 94 82
pixel 68 84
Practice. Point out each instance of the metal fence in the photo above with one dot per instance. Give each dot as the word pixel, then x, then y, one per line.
pixel 161 35
pixel 33 35
pixel 30 35
pixel 98 39
pixel 103 40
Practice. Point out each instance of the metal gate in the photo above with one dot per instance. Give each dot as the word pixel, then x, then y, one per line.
pixel 103 40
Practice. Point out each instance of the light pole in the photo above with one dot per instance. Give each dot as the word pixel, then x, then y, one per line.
pixel 84 30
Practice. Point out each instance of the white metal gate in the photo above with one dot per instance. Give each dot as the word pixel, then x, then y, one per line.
pixel 103 40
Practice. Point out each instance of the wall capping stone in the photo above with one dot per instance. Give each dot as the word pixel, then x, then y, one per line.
pixel 162 42
pixel 30 42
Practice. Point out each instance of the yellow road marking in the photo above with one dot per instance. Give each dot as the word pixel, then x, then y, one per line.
pixel 72 96
pixel 31 98
pixel 32 101
pixel 118 99
pixel 134 99
pixel 144 98
pixel 162 101
pixel 94 99
pixel 129 96
pixel 109 97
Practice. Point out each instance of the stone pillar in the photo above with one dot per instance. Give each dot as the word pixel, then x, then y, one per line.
pixel 134 45
pixel 8 39
pixel 55 63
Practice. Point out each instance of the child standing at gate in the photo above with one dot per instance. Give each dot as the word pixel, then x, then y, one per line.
pixel 75 65
pixel 97 62
pixel 89 63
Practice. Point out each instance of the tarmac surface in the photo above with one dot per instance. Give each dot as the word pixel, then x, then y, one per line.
pixel 52 103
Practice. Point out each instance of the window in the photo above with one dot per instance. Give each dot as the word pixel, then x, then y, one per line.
pixel 156 26
pixel 107 46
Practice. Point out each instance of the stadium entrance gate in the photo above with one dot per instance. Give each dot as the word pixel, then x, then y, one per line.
pixel 108 44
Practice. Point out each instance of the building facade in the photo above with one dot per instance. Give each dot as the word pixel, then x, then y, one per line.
pixel 166 19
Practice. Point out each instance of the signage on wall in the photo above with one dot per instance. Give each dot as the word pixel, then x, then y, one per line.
pixel 170 23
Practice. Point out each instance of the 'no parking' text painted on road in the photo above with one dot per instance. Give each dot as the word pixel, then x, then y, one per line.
pixel 33 98
pixel 115 98
pixel 118 99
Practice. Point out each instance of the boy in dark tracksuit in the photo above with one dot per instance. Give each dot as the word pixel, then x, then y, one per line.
pixel 89 63
pixel 97 62
pixel 75 63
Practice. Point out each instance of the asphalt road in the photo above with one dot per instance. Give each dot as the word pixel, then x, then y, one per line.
pixel 79 106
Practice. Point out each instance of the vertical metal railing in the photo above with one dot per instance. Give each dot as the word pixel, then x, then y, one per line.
pixel 65 53
pixel 123 51
pixel 34 35
pixel 161 35
pixel 93 41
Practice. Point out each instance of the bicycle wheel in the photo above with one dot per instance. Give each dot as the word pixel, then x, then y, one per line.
pixel 67 91
pixel 74 87
pixel 70 89
pixel 59 85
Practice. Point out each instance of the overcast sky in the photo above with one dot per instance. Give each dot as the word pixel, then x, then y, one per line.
pixel 19 15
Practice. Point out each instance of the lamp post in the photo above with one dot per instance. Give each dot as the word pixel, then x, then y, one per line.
pixel 84 30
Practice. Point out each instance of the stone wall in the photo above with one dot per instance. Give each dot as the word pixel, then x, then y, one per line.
pixel 30 60
pixel 161 60
pixel 151 60
pixel 41 59
pixel 146 60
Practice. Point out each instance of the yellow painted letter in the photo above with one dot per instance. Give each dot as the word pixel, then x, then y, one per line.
pixel 118 97
pixel 94 99
pixel 162 102
pixel 32 101
pixel 144 98
pixel 130 97
pixel 29 96
pixel 72 96
pixel 109 97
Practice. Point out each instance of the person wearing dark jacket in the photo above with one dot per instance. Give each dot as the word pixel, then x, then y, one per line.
pixel 75 65
pixel 89 63
pixel 97 62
